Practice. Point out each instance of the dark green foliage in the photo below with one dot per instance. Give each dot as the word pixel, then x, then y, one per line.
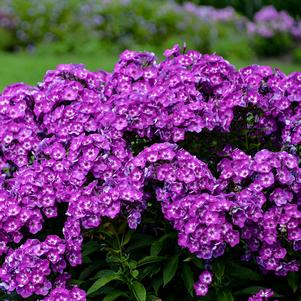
pixel 281 43
pixel 250 7
pixel 297 55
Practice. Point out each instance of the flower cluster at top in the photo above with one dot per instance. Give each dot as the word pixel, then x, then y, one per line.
pixel 268 22
pixel 66 143
pixel 210 13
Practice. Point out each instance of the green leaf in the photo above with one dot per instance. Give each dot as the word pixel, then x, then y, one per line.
pixel 157 282
pixel 122 227
pixel 105 277
pixel 132 264
pixel 86 259
pixel 244 273
pixel 225 295
pixel 249 290
pixel 198 263
pixel 149 271
pixel 293 281
pixel 187 276
pixel 114 295
pixel 139 242
pixel 90 268
pixel 127 238
pixel 158 244
pixel 155 248
pixel 90 248
pixel 170 269
pixel 77 282
pixel 135 273
pixel 150 259
pixel 218 269
pixel 139 291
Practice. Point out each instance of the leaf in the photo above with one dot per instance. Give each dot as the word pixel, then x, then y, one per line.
pixel 155 270
pixel 139 291
pixel 102 273
pixel 253 290
pixel 149 271
pixel 90 248
pixel 89 269
pixel 153 298
pixel 121 229
pixel 157 282
pixel 170 269
pixel 198 263
pixel 187 276
pixel 142 242
pixel 127 238
pixel 249 290
pixel 150 259
pixel 293 281
pixel 86 259
pixel 114 295
pixel 132 264
pixel 225 295
pixel 156 248
pixel 135 273
pixel 158 244
pixel 77 282
pixel 242 272
pixel 105 277
pixel 218 269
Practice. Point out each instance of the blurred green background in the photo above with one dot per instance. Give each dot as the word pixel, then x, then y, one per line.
pixel 37 35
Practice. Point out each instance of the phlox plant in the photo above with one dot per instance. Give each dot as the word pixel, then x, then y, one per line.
pixel 187 163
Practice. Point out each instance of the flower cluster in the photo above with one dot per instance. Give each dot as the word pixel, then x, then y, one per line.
pixel 264 208
pixel 268 22
pixel 26 268
pixel 63 294
pixel 271 96
pixel 186 92
pixel 211 14
pixel 201 287
pixel 68 149
pixel 262 295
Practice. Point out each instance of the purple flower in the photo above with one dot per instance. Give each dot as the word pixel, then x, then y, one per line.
pixel 262 295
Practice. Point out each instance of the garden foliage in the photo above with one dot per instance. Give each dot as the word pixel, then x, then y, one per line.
pixel 54 25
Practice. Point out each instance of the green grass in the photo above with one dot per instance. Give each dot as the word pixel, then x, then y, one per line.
pixel 283 65
pixel 30 69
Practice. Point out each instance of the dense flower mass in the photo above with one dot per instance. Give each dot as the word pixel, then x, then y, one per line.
pixel 68 150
